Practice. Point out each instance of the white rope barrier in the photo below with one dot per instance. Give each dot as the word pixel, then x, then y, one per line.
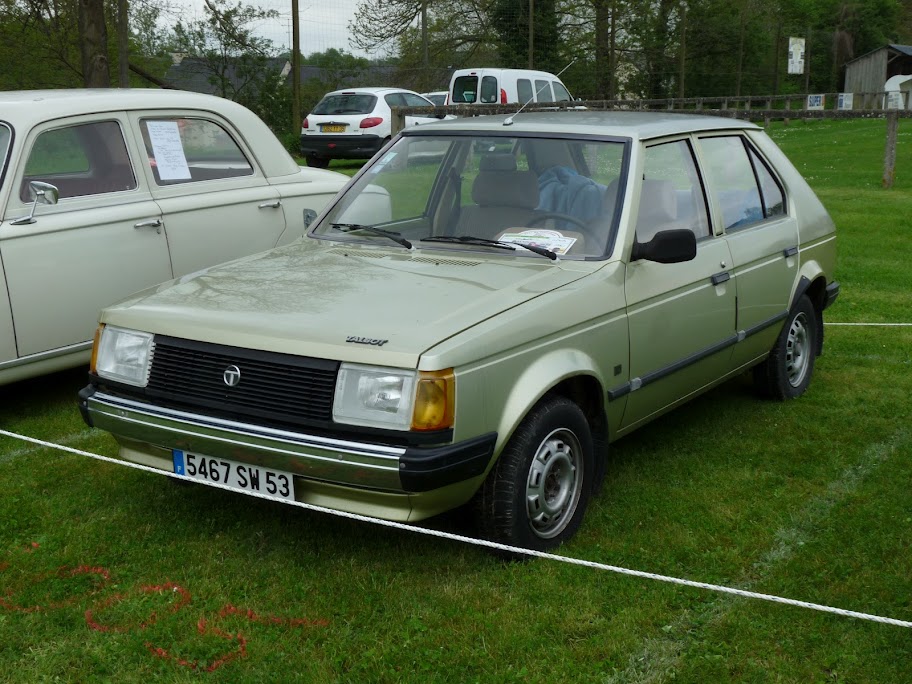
pixel 491 545
pixel 873 325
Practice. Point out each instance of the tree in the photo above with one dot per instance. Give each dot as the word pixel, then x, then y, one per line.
pixel 511 21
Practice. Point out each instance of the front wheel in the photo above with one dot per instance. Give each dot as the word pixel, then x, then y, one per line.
pixel 537 492
pixel 787 371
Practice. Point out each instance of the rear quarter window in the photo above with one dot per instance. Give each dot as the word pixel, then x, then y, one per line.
pixel 543 91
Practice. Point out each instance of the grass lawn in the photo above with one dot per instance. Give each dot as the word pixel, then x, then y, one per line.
pixel 109 574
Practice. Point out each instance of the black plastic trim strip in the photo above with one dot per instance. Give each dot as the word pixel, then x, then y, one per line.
pixel 649 378
pixel 720 278
pixel 421 470
pixel 832 292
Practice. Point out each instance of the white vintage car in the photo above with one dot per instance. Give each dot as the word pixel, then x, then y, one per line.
pixel 106 192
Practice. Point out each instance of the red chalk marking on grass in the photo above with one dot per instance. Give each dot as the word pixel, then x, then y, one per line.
pixel 182 598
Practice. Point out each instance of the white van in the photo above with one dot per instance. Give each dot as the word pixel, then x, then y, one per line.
pixel 504 86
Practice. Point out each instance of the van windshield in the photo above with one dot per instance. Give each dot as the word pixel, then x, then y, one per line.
pixel 465 89
pixel 462 191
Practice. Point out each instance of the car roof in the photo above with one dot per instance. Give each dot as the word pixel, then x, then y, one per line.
pixel 24 109
pixel 623 124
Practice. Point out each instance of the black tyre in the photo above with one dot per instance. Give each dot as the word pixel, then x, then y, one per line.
pixel 537 492
pixel 317 162
pixel 787 371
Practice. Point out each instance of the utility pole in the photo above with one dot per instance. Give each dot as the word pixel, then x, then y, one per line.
pixel 531 32
pixel 123 52
pixel 295 69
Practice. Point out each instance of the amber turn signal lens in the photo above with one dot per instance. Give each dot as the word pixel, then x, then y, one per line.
pixel 435 400
pixel 95 348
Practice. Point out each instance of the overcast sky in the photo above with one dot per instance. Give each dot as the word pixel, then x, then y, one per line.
pixel 324 24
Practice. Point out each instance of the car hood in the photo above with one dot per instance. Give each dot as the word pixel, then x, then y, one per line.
pixel 350 303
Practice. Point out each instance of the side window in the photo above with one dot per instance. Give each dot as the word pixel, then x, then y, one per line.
pixel 489 94
pixel 524 90
pixel 671 195
pixel 561 94
pixel 770 190
pixel 394 100
pixel 543 91
pixel 86 159
pixel 464 88
pixel 412 100
pixel 184 150
pixel 732 181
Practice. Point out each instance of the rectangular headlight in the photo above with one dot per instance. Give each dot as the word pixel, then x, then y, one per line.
pixel 374 397
pixel 123 355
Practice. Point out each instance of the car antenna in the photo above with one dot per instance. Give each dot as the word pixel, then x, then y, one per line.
pixel 509 120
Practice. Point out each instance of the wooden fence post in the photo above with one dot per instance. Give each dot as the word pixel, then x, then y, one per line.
pixel 890 152
pixel 397 122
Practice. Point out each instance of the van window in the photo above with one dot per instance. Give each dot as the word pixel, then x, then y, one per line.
pixel 561 94
pixel 543 91
pixel 524 90
pixel 464 88
pixel 488 90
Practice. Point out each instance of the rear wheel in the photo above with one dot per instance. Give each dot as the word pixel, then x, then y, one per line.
pixel 537 492
pixel 787 371
pixel 317 162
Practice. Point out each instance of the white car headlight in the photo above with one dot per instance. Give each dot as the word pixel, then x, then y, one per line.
pixel 123 355
pixel 374 397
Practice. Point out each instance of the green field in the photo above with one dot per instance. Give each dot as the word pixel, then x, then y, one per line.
pixel 110 574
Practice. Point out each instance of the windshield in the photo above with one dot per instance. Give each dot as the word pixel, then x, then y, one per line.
pixel 5 137
pixel 454 192
pixel 346 103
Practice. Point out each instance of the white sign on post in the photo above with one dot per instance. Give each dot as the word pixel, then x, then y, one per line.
pixel 168 150
pixel 894 100
pixel 844 102
pixel 796 56
pixel 815 102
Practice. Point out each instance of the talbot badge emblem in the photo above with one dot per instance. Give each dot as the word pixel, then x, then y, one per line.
pixel 232 376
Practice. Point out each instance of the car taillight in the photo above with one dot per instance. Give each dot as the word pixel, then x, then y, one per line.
pixel 371 121
pixel 304 124
pixel 503 96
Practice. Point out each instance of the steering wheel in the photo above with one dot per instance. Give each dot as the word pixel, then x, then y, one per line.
pixel 545 215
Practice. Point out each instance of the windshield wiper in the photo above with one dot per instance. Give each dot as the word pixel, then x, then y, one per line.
pixel 473 240
pixel 391 234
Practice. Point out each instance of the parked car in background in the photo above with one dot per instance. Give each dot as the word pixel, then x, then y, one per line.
pixel 355 123
pixel 504 86
pixel 479 325
pixel 105 192
pixel 438 97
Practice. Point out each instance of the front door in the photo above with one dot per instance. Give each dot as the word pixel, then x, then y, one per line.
pixel 101 242
pixel 681 316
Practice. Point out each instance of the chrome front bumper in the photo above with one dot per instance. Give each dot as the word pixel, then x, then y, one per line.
pixel 394 469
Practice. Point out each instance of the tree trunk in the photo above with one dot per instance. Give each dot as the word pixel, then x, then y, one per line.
pixel 93 35
pixel 603 71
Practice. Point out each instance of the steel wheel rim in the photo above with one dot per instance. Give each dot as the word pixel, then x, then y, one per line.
pixel 797 350
pixel 554 483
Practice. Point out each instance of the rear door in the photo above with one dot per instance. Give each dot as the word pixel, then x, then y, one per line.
pixel 102 241
pixel 681 316
pixel 216 203
pixel 750 206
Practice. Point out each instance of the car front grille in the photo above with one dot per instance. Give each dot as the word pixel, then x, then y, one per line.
pixel 280 388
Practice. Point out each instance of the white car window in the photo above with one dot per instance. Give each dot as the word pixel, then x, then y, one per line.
pixel 394 100
pixel 489 92
pixel 543 91
pixel 85 159
pixel 184 150
pixel 412 100
pixel 671 196
pixel 524 90
pixel 561 94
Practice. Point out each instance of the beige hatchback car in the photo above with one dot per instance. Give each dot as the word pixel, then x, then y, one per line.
pixel 486 307
pixel 105 192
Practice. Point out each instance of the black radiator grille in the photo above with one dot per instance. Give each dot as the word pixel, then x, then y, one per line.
pixel 277 387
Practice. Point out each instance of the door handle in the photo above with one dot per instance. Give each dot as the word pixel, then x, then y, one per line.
pixel 151 223
pixel 274 204
pixel 720 278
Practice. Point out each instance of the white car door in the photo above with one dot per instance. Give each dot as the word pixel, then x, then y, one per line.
pixel 102 241
pixel 216 203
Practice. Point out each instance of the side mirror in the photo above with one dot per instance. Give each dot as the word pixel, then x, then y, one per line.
pixel 38 192
pixel 667 247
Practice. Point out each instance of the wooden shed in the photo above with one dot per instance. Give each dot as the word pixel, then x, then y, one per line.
pixel 869 73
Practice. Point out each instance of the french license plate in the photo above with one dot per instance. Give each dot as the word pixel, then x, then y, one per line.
pixel 333 128
pixel 244 476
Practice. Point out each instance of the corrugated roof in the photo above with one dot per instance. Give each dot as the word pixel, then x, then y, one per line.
pixel 902 49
